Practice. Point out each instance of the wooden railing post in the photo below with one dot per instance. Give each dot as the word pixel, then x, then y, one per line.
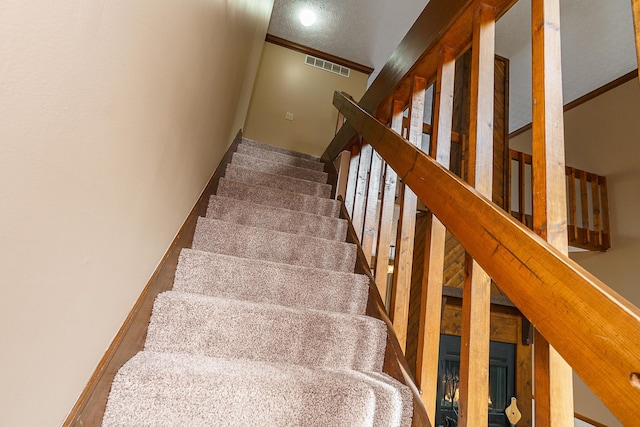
pixel 431 298
pixel 476 302
pixel 553 376
pixel 386 210
pixel 399 310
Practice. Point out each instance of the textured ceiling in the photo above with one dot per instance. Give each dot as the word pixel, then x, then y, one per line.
pixel 597 39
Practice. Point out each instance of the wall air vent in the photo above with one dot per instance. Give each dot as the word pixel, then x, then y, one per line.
pixel 327 66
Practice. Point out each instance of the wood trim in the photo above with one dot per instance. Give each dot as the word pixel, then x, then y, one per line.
pixel 550 289
pixel 90 406
pixel 588 420
pixel 587 97
pixel 270 38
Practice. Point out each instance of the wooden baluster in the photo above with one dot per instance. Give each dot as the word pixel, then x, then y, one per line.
pixel 476 301
pixel 344 161
pixel 431 305
pixel 340 122
pixel 595 209
pixel 399 310
pixel 352 180
pixel 371 211
pixel 584 201
pixel 386 210
pixel 361 188
pixel 604 199
pixel 573 218
pixel 522 190
pixel 553 376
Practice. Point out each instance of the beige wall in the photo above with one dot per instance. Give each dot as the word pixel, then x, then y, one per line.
pixel 114 116
pixel 603 136
pixel 286 84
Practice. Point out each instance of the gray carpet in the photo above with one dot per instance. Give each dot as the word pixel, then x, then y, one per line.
pixel 265 324
pixel 278 219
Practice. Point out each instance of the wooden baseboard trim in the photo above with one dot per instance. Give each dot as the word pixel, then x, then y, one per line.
pixel 90 406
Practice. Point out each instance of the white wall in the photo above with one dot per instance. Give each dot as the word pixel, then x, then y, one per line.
pixel 602 136
pixel 114 114
pixel 286 84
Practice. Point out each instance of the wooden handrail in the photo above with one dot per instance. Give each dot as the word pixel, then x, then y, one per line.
pixel 591 326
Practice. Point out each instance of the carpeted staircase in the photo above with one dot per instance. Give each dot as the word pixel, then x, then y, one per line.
pixel 265 324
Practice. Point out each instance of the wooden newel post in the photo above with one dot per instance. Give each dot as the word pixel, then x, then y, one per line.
pixel 553 376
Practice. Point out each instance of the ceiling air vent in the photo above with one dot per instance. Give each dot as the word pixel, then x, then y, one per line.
pixel 327 66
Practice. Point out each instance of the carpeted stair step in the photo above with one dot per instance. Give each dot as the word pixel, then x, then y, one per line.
pixel 286 159
pixel 229 238
pixel 156 389
pixel 280 182
pixel 246 279
pixel 231 329
pixel 277 198
pixel 294 222
pixel 262 145
pixel 260 165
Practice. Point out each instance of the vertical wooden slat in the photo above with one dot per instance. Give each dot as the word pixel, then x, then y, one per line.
pixel 522 187
pixel 572 219
pixel 362 185
pixel 476 302
pixel 595 209
pixel 399 310
pixel 371 212
pixel 352 180
pixel 604 199
pixel 584 201
pixel 386 210
pixel 553 376
pixel 344 161
pixel 431 298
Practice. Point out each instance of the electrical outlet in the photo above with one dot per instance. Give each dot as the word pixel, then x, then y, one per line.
pixel 288 116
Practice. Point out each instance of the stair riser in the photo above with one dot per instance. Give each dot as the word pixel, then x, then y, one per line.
pixel 260 165
pixel 258 144
pixel 278 181
pixel 261 281
pixel 280 158
pixel 250 242
pixel 214 327
pixel 278 198
pixel 294 222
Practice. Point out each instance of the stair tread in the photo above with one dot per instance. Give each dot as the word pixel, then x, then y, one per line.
pixel 280 158
pixel 158 389
pixel 247 279
pixel 251 242
pixel 261 165
pixel 226 328
pixel 264 146
pixel 279 219
pixel 277 198
pixel 280 182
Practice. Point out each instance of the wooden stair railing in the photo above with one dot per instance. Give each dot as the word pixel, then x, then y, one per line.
pixel 587 204
pixel 591 326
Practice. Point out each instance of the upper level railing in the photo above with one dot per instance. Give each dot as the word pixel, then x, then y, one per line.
pixel 577 318
pixel 587 202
